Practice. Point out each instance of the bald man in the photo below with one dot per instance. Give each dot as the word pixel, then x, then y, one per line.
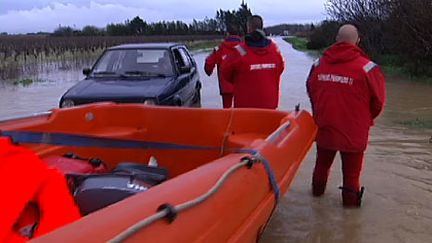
pixel 347 92
pixel 348 33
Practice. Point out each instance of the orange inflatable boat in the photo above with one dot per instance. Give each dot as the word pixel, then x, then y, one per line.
pixel 226 169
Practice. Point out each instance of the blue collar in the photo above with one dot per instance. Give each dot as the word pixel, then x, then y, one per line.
pixel 233 38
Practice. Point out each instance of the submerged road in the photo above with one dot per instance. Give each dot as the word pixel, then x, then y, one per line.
pixel 397 173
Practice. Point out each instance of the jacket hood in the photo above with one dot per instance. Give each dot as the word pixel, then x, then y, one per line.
pixel 231 41
pixel 259 42
pixel 257 39
pixel 343 52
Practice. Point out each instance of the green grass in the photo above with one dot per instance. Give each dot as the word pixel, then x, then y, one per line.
pixel 23 82
pixel 27 81
pixel 401 72
pixel 203 45
pixel 300 44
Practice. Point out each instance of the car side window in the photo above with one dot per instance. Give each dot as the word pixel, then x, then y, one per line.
pixel 189 57
pixel 178 58
pixel 186 57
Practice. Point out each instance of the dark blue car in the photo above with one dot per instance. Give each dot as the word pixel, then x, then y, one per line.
pixel 151 73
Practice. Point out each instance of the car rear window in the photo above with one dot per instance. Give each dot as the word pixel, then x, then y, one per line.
pixel 149 56
pixel 137 61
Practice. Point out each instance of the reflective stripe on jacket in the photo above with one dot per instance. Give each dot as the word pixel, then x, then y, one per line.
pixel 347 92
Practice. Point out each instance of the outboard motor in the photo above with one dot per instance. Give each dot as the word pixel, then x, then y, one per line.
pixel 98 191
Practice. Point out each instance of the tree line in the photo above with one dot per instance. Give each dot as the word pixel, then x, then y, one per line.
pixel 138 26
pixel 66 45
pixel 300 30
pixel 395 32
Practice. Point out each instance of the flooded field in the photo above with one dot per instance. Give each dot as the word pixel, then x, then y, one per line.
pixel 397 173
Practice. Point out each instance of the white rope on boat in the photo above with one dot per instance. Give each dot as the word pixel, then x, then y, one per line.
pixel 227 132
pixel 181 207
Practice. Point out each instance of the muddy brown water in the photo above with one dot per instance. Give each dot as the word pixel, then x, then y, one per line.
pixel 397 174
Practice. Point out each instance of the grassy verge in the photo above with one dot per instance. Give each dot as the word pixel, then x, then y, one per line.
pixel 395 66
pixel 300 44
pixel 205 44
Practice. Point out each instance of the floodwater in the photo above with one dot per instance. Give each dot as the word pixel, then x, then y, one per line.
pixel 397 172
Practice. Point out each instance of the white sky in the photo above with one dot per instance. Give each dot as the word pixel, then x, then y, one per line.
pixel 23 16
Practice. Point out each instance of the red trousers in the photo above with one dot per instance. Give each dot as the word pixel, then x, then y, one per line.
pixel 227 100
pixel 351 168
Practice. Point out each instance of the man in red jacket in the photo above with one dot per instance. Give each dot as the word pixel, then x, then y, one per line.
pixel 31 193
pixel 217 57
pixel 255 69
pixel 347 92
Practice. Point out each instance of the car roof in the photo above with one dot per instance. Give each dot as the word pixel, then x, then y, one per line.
pixel 166 45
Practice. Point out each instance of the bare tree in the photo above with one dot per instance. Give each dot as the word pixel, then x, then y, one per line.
pixel 368 15
pixel 401 28
pixel 410 24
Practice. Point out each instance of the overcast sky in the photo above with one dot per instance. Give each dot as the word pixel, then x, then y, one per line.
pixel 23 16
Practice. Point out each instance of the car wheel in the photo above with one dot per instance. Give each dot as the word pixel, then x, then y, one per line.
pixel 197 99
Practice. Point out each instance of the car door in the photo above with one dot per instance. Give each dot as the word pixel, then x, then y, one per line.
pixel 185 68
pixel 195 84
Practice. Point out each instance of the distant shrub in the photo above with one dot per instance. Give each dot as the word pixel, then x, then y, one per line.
pixel 323 35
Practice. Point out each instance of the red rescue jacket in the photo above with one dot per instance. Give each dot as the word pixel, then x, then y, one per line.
pixel 216 58
pixel 347 92
pixel 27 183
pixel 255 70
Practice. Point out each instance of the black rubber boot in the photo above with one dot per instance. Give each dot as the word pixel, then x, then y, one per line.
pixel 318 188
pixel 352 198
